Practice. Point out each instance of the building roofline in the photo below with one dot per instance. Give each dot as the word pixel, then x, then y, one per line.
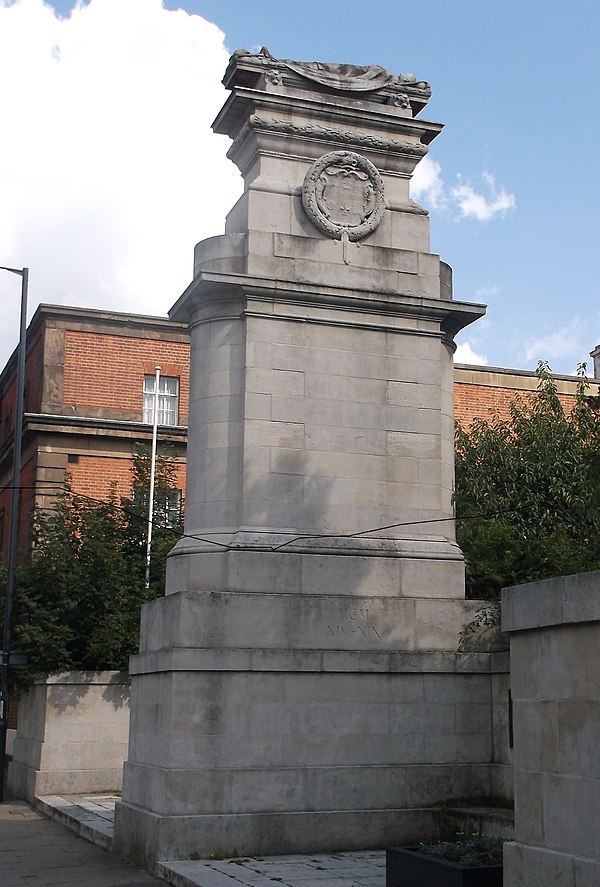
pixel 101 422
pixel 484 368
pixel 126 318
pixel 66 313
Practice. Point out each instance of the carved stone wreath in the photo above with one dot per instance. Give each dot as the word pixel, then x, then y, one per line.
pixel 342 195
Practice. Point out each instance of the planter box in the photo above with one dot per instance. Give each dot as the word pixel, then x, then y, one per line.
pixel 406 867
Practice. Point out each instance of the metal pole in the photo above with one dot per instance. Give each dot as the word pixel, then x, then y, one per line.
pixel 14 521
pixel 152 473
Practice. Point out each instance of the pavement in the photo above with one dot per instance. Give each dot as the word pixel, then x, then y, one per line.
pixel 37 852
pixel 66 840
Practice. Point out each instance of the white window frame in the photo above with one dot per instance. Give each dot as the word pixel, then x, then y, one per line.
pixel 170 507
pixel 167 505
pixel 168 400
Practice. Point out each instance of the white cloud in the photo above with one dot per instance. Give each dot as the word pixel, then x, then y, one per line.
pixel 480 206
pixel 465 354
pixel 487 292
pixel 110 170
pixel 563 343
pixel 427 185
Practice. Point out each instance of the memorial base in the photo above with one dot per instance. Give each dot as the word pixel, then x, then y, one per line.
pixel 145 838
pixel 152 838
pixel 250 751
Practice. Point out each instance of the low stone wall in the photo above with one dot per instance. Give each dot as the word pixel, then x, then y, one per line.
pixel 554 629
pixel 72 735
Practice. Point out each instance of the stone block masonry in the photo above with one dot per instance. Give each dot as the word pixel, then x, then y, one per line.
pixel 554 630
pixel 297 687
pixel 301 751
pixel 72 735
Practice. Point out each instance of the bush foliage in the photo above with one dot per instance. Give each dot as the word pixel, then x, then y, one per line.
pixel 78 595
pixel 527 490
pixel 477 850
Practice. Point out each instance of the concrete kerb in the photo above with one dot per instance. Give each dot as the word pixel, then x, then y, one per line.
pixel 91 817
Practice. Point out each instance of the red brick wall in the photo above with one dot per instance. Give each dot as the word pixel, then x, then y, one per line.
pixel 33 387
pixel 28 473
pixel 93 475
pixel 107 372
pixel 481 401
pixel 27 498
pixel 13 713
pixel 34 377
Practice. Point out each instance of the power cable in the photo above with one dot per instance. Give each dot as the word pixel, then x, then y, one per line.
pixel 60 488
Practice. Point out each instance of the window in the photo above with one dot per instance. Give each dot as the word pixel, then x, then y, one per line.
pixel 168 400
pixel 168 507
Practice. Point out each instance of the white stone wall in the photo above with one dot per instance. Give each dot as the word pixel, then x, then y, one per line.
pixel 554 630
pixel 72 735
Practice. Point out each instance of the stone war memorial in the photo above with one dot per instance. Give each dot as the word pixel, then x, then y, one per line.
pixel 298 688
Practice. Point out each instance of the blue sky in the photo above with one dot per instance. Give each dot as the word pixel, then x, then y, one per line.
pixel 512 183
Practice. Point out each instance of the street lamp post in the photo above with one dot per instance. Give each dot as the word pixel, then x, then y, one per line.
pixel 14 522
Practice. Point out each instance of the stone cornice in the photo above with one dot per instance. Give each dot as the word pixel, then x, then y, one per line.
pixel 223 288
pixel 369 661
pixel 95 426
pixel 245 103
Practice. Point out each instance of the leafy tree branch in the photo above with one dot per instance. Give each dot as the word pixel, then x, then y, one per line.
pixel 527 490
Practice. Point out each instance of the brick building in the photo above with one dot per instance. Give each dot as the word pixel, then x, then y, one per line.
pixel 89 398
pixel 481 391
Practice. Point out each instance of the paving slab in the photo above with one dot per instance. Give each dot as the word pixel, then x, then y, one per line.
pixel 332 870
pixel 92 817
pixel 37 852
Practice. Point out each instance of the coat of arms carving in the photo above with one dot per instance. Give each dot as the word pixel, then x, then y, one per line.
pixel 343 195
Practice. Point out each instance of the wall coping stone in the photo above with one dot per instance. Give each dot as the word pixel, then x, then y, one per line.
pixel 113 678
pixel 551 602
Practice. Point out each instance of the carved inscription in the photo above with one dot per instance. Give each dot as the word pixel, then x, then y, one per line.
pixel 352 621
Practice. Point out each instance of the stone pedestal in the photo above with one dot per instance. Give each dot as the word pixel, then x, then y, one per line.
pixel 267 713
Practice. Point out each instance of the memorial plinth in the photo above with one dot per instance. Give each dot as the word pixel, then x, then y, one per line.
pixel 319 577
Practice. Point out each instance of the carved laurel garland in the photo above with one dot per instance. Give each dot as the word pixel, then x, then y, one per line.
pixel 338 135
pixel 363 195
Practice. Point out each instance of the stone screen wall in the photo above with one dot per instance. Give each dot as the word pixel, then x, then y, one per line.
pixel 554 630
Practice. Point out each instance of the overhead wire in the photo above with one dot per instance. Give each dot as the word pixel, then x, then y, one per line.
pixel 59 488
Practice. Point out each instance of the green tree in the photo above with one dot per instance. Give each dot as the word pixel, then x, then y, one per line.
pixel 79 594
pixel 167 514
pixel 527 490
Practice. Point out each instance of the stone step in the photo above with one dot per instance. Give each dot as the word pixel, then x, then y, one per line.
pixel 495 822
